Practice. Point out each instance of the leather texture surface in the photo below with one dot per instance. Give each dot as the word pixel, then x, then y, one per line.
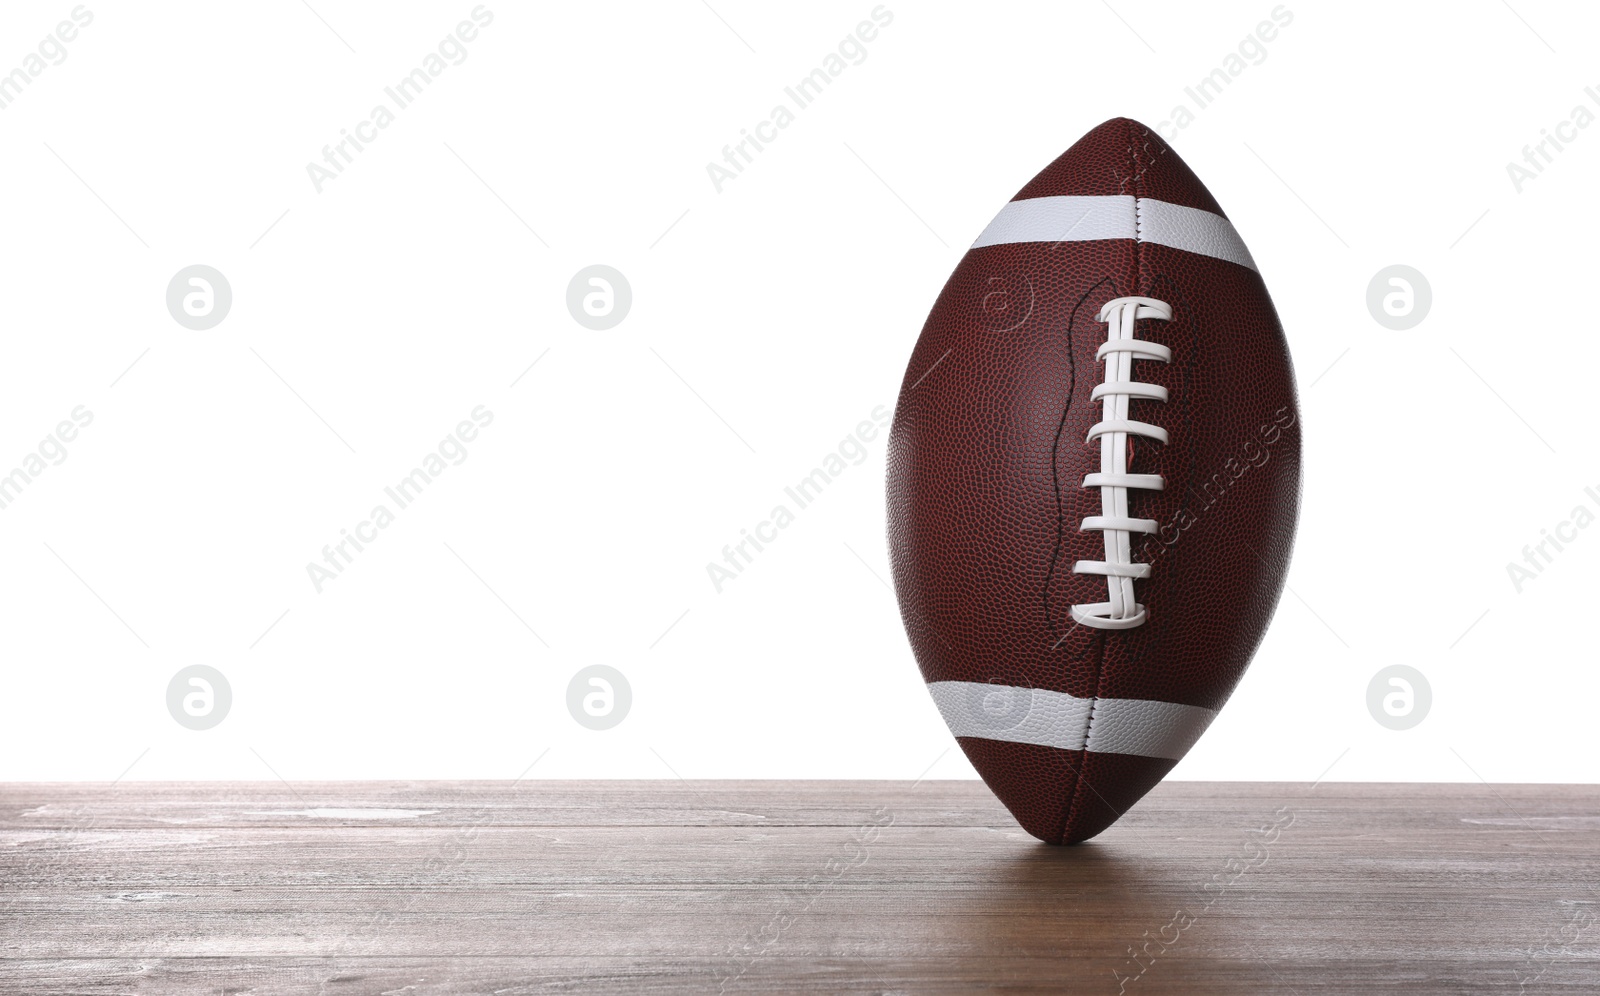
pixel 985 497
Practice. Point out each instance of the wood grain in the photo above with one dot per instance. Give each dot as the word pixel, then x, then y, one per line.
pixel 872 887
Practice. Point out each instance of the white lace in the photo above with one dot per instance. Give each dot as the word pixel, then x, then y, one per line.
pixel 1113 429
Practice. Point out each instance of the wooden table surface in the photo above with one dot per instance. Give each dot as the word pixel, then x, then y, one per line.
pixel 873 887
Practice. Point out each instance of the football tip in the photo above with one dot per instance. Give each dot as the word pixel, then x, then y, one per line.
pixel 1122 157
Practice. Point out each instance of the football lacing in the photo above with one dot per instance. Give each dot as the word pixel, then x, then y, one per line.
pixel 1114 481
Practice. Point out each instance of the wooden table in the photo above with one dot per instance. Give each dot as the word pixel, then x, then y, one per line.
pixel 871 887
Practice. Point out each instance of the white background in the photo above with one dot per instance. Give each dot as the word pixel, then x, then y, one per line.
pixel 768 320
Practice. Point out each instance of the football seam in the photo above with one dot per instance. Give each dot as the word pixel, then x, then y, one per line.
pixel 1100 668
pixel 1055 467
pixel 1055 473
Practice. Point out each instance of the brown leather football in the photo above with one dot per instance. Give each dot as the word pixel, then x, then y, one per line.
pixel 1094 477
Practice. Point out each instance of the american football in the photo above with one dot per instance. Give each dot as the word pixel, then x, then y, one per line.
pixel 1094 479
